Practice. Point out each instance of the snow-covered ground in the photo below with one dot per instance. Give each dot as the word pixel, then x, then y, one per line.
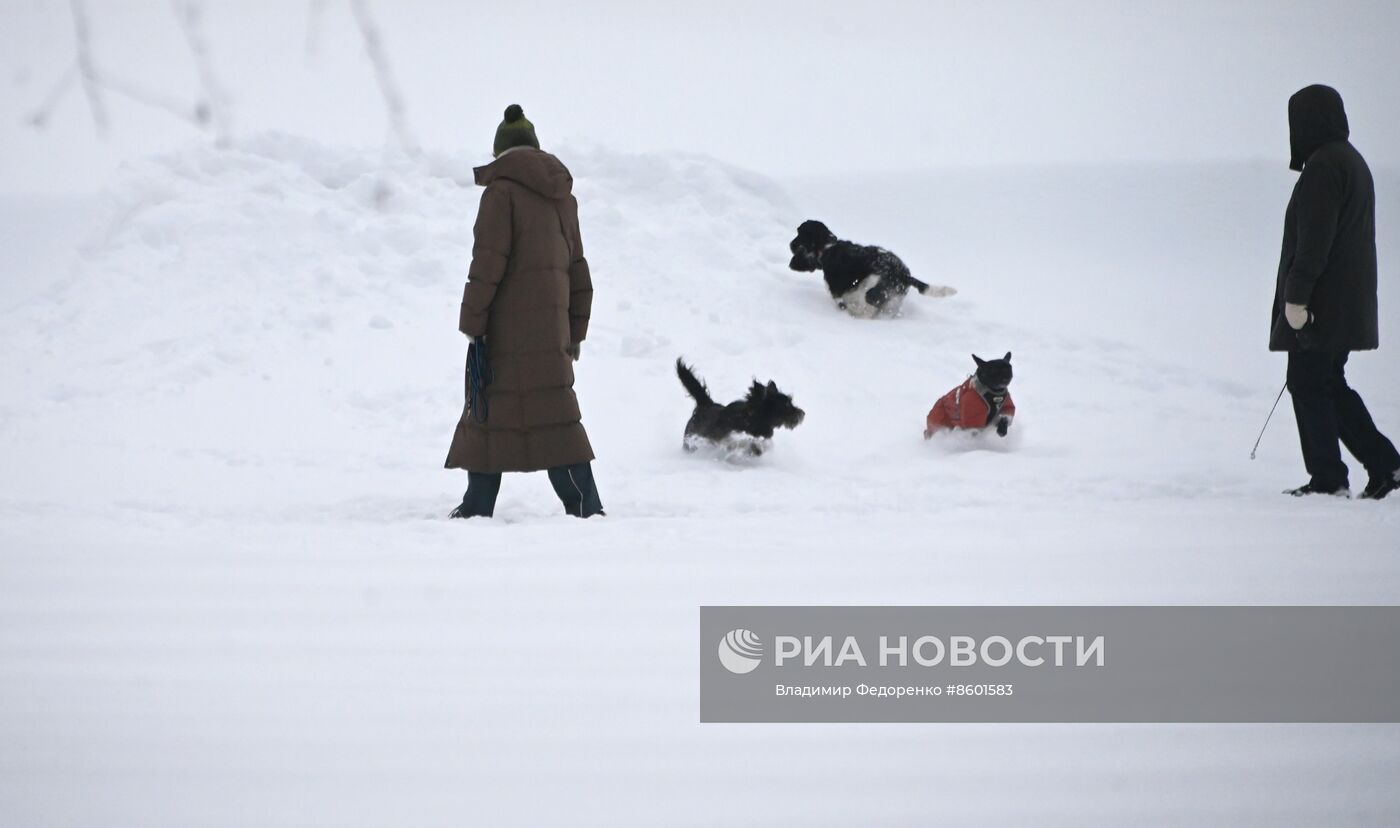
pixel 229 594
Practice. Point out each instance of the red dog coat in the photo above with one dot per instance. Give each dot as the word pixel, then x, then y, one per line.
pixel 964 407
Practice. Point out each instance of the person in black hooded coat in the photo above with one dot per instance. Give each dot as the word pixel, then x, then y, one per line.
pixel 1325 301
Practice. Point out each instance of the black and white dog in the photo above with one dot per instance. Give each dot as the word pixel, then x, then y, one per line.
pixel 741 428
pixel 865 281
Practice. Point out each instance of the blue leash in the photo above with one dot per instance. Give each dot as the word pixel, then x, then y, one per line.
pixel 479 375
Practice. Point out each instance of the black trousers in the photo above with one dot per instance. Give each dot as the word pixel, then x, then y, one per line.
pixel 573 484
pixel 1328 410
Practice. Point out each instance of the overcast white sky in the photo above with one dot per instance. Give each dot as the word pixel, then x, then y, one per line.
pixel 781 87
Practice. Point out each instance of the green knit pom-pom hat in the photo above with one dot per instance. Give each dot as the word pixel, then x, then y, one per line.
pixel 515 131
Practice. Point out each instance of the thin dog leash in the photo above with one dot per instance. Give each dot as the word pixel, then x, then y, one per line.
pixel 1254 450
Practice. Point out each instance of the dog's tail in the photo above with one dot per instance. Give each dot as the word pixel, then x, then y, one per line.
pixel 926 289
pixel 900 276
pixel 693 386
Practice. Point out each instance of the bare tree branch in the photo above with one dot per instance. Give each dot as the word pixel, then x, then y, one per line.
pixel 393 101
pixel 207 114
pixel 86 68
pixel 156 100
pixel 213 110
pixel 39 118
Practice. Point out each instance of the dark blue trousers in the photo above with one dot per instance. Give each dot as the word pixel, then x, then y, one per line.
pixel 573 484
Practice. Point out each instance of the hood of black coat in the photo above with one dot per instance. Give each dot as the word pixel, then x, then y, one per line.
pixel 1315 117
pixel 535 169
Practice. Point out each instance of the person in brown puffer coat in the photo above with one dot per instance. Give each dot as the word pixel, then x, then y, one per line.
pixel 526 307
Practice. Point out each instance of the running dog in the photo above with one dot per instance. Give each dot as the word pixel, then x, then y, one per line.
pixel 745 426
pixel 865 281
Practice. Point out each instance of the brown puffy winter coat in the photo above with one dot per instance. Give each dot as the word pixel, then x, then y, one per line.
pixel 529 293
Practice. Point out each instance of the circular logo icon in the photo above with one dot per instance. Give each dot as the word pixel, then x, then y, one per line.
pixel 740 651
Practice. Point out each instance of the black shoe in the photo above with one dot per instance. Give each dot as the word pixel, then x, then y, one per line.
pixel 461 512
pixel 1379 487
pixel 1313 489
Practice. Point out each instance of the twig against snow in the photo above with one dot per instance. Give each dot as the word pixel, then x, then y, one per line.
pixel 86 69
pixel 39 118
pixel 393 101
pixel 213 110
pixel 95 83
pixel 155 100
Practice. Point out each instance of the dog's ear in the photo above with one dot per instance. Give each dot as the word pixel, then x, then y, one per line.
pixel 977 359
pixel 757 389
pixel 772 386
pixel 1007 357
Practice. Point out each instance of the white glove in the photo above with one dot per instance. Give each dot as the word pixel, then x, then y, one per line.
pixel 1298 316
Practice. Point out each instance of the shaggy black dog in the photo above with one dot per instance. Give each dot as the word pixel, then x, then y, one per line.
pixel 744 426
pixel 865 281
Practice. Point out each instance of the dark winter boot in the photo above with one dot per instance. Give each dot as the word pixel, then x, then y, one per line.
pixel 1379 487
pixel 480 499
pixel 576 489
pixel 1314 489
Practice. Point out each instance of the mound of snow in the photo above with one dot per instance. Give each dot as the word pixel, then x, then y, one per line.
pixel 283 253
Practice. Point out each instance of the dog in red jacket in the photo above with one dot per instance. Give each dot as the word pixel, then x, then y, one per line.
pixel 981 402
